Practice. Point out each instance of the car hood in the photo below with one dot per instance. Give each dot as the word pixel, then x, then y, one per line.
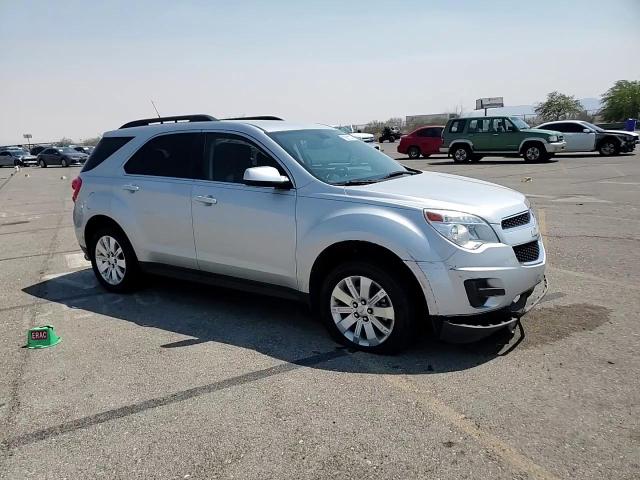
pixel 622 132
pixel 541 131
pixel 443 191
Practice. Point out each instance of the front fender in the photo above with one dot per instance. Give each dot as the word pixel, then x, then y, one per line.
pixel 402 231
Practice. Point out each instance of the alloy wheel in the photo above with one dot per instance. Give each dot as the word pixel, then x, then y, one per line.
pixel 362 311
pixel 460 155
pixel 533 153
pixel 110 260
pixel 608 148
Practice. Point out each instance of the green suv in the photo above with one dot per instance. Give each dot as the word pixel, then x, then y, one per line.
pixel 469 139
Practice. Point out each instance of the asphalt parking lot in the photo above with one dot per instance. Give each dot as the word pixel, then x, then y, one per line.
pixel 186 381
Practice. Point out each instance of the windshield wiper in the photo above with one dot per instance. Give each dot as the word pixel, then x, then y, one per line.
pixel 357 182
pixel 397 174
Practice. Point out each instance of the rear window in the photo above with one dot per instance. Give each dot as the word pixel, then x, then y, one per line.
pixel 457 126
pixel 106 147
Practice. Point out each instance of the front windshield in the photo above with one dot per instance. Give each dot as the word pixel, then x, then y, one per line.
pixel 593 127
pixel 345 129
pixel 336 158
pixel 521 124
pixel 68 150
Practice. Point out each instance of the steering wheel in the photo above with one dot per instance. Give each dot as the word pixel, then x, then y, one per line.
pixel 337 174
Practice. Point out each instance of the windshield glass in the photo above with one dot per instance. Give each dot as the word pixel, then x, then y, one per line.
pixel 593 127
pixel 67 150
pixel 521 124
pixel 345 129
pixel 336 158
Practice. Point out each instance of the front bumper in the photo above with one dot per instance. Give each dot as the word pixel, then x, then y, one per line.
pixel 494 268
pixel 472 328
pixel 556 147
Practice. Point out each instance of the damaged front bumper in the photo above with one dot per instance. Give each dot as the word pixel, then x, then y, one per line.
pixel 470 328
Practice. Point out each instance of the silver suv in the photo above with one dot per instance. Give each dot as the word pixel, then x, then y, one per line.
pixel 308 211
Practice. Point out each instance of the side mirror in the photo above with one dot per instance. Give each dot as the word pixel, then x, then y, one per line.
pixel 265 177
pixel 586 130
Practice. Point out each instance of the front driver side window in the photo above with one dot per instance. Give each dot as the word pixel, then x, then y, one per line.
pixel 227 156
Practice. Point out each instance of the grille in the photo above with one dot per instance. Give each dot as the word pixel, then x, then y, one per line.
pixel 528 252
pixel 512 222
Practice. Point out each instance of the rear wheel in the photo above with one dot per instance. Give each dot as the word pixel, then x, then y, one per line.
pixel 461 153
pixel 367 308
pixel 114 262
pixel 414 153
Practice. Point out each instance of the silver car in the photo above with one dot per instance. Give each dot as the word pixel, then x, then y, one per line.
pixel 308 211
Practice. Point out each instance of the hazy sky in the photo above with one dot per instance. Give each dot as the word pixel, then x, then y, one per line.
pixel 80 68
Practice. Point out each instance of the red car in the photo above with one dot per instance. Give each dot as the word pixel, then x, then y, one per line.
pixel 422 141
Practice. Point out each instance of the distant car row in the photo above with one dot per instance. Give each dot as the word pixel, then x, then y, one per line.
pixel 63 156
pixel 471 138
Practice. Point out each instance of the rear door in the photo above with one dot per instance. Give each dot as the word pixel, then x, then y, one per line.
pixel 433 140
pixel 241 230
pixel 155 193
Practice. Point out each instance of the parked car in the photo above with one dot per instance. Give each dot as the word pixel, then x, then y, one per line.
pixel 38 149
pixel 63 156
pixel 365 137
pixel 305 211
pixel 587 137
pixel 16 157
pixel 469 139
pixel 390 134
pixel 423 141
pixel 83 149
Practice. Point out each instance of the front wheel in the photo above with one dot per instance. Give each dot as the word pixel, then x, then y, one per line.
pixel 367 308
pixel 608 147
pixel 114 262
pixel 414 153
pixel 534 153
pixel 64 163
pixel 42 163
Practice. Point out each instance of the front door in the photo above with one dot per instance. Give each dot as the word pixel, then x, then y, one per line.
pixel 154 197
pixel 240 230
pixel 579 140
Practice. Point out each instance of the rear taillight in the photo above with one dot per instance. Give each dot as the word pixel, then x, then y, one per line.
pixel 76 185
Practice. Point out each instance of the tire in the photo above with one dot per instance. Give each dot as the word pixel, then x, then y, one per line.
pixel 358 326
pixel 64 163
pixel 426 155
pixel 461 153
pixel 609 146
pixel 534 152
pixel 414 153
pixel 475 158
pixel 42 163
pixel 115 265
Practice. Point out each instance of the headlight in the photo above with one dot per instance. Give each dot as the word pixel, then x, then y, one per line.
pixel 463 229
pixel 553 138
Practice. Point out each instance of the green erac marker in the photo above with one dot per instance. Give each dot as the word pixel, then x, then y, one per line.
pixel 42 337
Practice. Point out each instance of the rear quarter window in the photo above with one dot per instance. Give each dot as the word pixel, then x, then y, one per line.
pixel 457 126
pixel 106 147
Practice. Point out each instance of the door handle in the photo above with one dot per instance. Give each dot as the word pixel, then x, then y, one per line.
pixel 132 188
pixel 495 134
pixel 206 199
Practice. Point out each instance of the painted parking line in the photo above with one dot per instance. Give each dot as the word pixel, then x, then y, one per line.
pixel 77 260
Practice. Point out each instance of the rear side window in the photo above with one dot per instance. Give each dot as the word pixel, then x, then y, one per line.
pixel 457 126
pixel 173 155
pixel 106 147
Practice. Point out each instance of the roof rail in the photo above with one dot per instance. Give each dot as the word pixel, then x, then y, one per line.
pixel 256 117
pixel 176 119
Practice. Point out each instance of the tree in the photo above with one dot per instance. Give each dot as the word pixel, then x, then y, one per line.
pixel 92 141
pixel 65 142
pixel 558 106
pixel 621 101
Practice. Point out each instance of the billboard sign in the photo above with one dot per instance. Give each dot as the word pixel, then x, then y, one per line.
pixel 489 102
